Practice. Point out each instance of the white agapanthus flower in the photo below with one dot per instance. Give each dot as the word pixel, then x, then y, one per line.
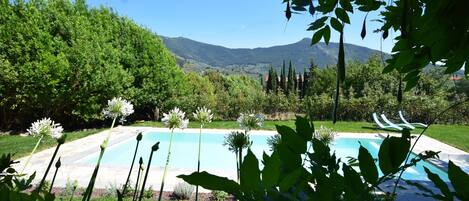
pixel 203 115
pixel 46 127
pixel 118 107
pixel 249 121
pixel 175 119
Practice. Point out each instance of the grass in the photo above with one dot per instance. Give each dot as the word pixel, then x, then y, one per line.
pixel 22 145
pixel 454 135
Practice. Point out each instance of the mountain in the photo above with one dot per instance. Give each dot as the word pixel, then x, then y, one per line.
pixel 194 55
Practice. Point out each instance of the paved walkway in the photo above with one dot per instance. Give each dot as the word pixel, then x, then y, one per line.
pixel 73 151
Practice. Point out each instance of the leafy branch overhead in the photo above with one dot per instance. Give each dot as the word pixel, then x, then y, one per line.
pixel 427 32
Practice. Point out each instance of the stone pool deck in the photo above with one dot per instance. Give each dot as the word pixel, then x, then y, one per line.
pixel 71 152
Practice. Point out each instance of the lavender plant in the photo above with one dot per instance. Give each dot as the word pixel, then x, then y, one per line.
pixel 204 116
pixel 174 119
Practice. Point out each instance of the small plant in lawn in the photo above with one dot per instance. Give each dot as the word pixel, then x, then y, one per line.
pixel 218 196
pixel 325 135
pixel 70 189
pixel 174 119
pixel 204 116
pixel 183 191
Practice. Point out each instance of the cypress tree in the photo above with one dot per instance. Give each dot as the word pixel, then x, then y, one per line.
pixel 274 81
pixel 283 84
pixel 295 81
pixel 290 83
pixel 305 83
pixel 300 85
pixel 269 80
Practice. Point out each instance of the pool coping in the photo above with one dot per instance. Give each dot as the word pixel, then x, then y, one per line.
pixel 76 150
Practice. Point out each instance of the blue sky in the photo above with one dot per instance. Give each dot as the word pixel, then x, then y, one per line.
pixel 235 23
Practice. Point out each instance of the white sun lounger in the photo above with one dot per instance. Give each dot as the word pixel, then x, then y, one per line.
pixel 385 119
pixel 406 122
pixel 382 126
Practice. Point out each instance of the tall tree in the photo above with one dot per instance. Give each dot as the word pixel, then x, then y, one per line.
pixel 300 86
pixel 283 81
pixel 275 81
pixel 295 81
pixel 305 88
pixel 290 82
pixel 269 80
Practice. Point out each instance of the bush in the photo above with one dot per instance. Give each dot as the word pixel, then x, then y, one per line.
pixel 218 196
pixel 183 191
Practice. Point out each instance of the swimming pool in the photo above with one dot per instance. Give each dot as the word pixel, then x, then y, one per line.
pixel 215 156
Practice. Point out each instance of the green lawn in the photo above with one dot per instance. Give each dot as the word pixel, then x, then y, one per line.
pixel 22 146
pixel 455 135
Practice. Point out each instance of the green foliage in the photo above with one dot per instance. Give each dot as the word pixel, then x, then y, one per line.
pixel 422 38
pixel 285 177
pixel 64 60
pixel 218 196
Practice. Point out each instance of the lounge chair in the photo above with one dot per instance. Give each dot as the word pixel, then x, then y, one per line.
pixel 406 122
pixel 385 119
pixel 382 126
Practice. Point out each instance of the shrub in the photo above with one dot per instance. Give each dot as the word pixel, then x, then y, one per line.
pixel 218 196
pixel 183 191
pixel 325 135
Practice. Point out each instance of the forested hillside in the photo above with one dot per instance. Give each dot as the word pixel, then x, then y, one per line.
pixel 194 55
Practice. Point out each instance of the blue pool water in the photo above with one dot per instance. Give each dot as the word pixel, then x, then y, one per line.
pixel 215 156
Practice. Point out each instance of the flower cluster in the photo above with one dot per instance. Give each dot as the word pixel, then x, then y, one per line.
pixel 203 115
pixel 46 127
pixel 118 107
pixel 175 119
pixel 250 121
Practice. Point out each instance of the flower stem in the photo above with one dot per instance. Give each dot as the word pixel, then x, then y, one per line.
pixel 198 162
pixel 55 174
pixel 166 166
pixel 89 189
pixel 130 171
pixel 154 148
pixel 31 154
pixel 48 167
pixel 137 183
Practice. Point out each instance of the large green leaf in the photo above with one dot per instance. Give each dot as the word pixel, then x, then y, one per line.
pixel 290 179
pixel 460 181
pixel 367 166
pixel 439 183
pixel 326 34
pixel 271 171
pixel 304 128
pixel 212 182
pixel 354 185
pixel 292 139
pixel 250 173
pixel 392 153
pixel 342 15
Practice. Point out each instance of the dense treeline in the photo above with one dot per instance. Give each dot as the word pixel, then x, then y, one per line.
pixel 366 90
pixel 63 60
